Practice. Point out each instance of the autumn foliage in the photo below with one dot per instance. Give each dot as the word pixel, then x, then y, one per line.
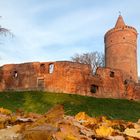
pixel 55 125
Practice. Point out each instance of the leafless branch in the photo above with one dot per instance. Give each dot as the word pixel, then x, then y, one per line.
pixel 94 59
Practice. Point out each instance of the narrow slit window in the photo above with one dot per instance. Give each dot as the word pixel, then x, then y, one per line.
pixel 51 68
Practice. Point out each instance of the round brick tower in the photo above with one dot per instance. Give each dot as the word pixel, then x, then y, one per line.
pixel 121 49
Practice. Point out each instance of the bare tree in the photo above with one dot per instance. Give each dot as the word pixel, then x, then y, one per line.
pixel 4 31
pixel 94 59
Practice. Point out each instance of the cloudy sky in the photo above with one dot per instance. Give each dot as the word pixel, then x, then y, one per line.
pixel 51 30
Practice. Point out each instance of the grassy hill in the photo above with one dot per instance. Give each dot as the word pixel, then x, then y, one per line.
pixel 40 102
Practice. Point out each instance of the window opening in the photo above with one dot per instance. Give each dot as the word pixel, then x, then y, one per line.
pixel 51 68
pixel 15 74
pixel 42 68
pixel 93 88
pixel 112 74
pixel 126 82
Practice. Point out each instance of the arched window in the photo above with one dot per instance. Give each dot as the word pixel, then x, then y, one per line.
pixel 51 68
pixel 42 68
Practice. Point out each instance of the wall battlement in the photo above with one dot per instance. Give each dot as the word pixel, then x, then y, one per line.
pixel 121 49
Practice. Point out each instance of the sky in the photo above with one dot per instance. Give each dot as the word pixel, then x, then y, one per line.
pixel 55 30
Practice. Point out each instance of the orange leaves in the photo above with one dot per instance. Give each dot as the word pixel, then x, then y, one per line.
pixel 104 131
pixel 5 111
pixel 109 129
pixel 84 119
pixel 67 132
pixel 54 125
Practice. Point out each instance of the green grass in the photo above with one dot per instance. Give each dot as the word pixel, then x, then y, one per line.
pixel 40 102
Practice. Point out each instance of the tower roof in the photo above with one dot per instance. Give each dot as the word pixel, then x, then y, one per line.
pixel 120 22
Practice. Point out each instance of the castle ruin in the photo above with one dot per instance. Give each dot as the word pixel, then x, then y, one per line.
pixel 118 79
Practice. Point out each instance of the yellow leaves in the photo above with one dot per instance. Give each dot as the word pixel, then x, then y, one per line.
pixel 2 125
pixel 67 131
pixel 70 137
pixel 52 117
pixel 85 119
pixel 55 114
pixel 5 116
pixel 132 132
pixel 42 132
pixel 13 119
pixel 61 136
pixel 5 111
pixel 130 138
pixel 104 131
pixel 10 133
pixel 102 126
pixel 81 116
pixel 54 125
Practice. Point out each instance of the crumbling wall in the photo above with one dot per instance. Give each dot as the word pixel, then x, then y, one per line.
pixel 19 76
pixel 67 77
pixel 62 76
pixel 110 83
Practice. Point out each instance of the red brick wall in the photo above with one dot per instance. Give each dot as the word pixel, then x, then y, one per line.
pixel 67 77
pixel 121 51
pixel 110 83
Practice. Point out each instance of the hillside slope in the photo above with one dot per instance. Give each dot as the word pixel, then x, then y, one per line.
pixel 40 102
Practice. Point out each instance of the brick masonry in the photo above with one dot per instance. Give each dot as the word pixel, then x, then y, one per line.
pixel 121 49
pixel 118 79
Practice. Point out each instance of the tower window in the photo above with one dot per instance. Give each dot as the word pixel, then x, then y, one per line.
pixel 112 74
pixel 93 88
pixel 51 68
